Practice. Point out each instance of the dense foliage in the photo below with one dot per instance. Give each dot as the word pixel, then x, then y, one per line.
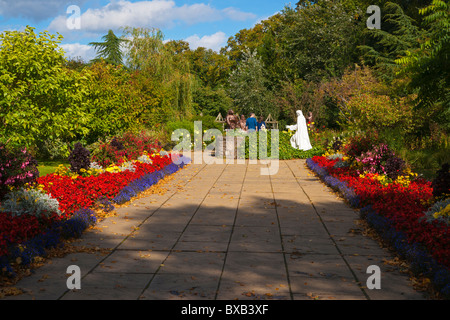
pixel 441 183
pixel 40 98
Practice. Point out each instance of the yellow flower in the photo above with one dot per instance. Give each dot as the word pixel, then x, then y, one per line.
pixel 445 212
pixel 403 180
pixel 113 168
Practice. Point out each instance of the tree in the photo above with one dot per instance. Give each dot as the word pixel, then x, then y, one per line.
pixel 211 101
pixel 245 39
pixel 248 87
pixel 365 102
pixel 264 38
pixel 109 49
pixel 320 40
pixel 400 33
pixel 169 71
pixel 117 101
pixel 212 68
pixel 41 99
pixel 429 65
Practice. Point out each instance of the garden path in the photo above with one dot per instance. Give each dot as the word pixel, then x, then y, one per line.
pixel 224 231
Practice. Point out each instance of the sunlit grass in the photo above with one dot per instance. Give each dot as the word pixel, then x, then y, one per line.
pixel 49 166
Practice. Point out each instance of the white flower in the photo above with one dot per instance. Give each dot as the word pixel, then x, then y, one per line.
pixel 33 202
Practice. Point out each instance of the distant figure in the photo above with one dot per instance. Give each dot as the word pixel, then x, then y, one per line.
pixel 251 124
pixel 242 123
pixel 232 120
pixel 261 124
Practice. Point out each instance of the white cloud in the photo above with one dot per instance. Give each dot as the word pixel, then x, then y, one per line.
pixel 238 15
pixel 75 50
pixel 157 14
pixel 214 41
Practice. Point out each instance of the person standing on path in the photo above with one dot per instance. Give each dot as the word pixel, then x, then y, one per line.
pixel 251 124
pixel 242 123
pixel 232 120
pixel 261 124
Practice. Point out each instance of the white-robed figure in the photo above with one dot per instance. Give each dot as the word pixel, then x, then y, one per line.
pixel 300 140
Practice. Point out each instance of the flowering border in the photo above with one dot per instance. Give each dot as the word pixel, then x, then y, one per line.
pixel 421 262
pixel 80 220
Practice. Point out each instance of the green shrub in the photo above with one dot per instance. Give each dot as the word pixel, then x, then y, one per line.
pixel 285 150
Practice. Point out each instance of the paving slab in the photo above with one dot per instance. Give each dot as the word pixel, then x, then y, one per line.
pixel 225 232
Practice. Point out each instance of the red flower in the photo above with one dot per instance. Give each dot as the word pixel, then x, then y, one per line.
pixel 72 194
pixel 404 206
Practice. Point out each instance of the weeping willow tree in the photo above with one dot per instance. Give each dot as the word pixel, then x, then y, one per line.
pixel 147 54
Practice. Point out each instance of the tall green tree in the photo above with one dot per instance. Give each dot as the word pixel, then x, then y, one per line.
pixel 212 68
pixel 429 65
pixel 399 34
pixel 40 98
pixel 248 87
pixel 320 40
pixel 245 39
pixel 169 71
pixel 208 101
pixel 110 49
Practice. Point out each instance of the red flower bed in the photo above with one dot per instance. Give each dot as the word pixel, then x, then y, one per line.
pixel 324 162
pixel 82 192
pixel 403 205
pixel 21 228
pixel 72 194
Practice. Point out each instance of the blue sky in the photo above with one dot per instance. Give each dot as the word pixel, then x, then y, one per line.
pixel 200 22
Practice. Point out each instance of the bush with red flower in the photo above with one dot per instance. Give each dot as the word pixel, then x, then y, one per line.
pixel 122 148
pixel 17 167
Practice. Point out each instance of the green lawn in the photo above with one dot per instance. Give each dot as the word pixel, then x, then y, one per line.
pixel 49 166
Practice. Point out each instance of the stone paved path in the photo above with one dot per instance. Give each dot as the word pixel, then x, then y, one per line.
pixel 226 232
